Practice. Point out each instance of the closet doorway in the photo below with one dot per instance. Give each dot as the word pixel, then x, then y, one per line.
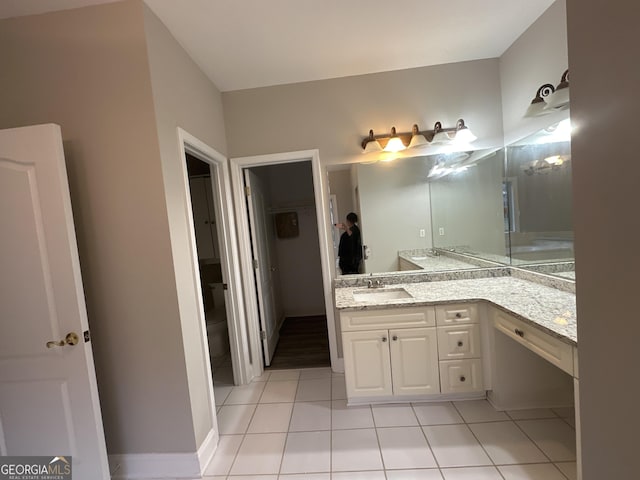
pixel 282 235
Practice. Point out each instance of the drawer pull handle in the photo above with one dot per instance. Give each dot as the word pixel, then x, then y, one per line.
pixel 384 339
pixel 458 315
pixel 463 378
pixel 460 343
pixel 519 332
pixel 394 338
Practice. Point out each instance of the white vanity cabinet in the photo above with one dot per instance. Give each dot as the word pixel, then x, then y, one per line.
pixel 405 353
pixel 204 218
pixel 459 345
pixel 390 352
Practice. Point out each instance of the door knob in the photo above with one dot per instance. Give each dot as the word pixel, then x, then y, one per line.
pixel 71 339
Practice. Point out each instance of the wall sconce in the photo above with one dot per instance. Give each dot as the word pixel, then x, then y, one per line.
pixel 538 105
pixel 560 98
pixel 549 99
pixel 396 142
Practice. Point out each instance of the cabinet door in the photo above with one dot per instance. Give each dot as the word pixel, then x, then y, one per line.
pixel 212 218
pixel 414 361
pixel 367 366
pixel 201 220
pixel 459 341
pixel 461 376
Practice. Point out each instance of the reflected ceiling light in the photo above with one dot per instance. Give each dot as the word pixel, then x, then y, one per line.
pixel 560 98
pixel 463 134
pixel 370 144
pixel 554 160
pixel 417 139
pixel 538 105
pixel 395 142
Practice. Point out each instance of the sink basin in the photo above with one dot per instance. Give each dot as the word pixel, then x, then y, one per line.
pixel 374 295
pixel 419 258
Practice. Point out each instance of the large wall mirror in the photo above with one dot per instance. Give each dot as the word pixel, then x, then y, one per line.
pixel 470 209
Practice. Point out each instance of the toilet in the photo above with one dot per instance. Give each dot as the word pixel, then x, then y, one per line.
pixel 216 317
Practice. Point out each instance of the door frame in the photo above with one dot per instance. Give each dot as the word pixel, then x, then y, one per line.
pixel 227 243
pixel 321 196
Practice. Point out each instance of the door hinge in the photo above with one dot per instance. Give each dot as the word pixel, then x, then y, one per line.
pixel 263 335
pixel 255 263
pixel 247 191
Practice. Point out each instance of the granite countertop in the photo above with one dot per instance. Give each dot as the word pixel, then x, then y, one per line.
pixel 546 308
pixel 439 263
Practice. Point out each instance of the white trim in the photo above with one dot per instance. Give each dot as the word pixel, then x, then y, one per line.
pixel 228 254
pixel 207 449
pixel 154 466
pixel 321 194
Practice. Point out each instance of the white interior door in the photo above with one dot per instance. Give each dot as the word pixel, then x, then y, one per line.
pixel 48 396
pixel 264 270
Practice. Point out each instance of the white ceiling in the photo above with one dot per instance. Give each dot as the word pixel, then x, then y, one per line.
pixel 253 43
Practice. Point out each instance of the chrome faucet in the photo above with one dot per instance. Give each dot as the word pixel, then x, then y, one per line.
pixel 375 284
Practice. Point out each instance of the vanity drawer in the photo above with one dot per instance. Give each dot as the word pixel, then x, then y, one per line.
pixel 459 341
pixel 388 318
pixel 548 347
pixel 456 314
pixel 460 376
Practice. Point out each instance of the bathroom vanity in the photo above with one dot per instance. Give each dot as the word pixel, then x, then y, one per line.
pixel 502 333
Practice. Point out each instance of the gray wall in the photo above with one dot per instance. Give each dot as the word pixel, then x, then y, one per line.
pixel 334 115
pixel 87 70
pixel 604 106
pixel 537 57
pixel 183 97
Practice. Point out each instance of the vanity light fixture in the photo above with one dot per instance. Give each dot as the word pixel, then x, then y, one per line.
pixel 538 105
pixel 395 143
pixel 560 98
pixel 440 135
pixel 549 98
pixel 463 134
pixel 370 144
pixel 416 138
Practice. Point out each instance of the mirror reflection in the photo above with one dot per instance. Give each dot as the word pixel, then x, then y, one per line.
pixel 462 210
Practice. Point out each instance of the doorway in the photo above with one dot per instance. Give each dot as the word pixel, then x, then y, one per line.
pixel 287 270
pixel 209 264
pixel 310 209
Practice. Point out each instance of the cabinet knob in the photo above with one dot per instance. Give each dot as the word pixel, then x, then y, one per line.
pixel 460 343
pixel 463 378
pixel 394 338
pixel 384 339
pixel 458 315
pixel 519 332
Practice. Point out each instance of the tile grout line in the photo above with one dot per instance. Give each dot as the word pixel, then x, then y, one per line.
pixel 375 429
pixel 478 440
pixel 286 439
pixel 424 434
pixel 536 444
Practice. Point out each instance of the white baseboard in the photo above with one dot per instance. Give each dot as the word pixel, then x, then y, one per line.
pixel 139 466
pixel 169 466
pixel 338 365
pixel 207 449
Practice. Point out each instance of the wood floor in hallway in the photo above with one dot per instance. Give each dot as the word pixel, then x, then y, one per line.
pixel 304 343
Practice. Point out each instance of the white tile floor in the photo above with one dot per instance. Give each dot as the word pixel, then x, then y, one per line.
pixel 295 425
